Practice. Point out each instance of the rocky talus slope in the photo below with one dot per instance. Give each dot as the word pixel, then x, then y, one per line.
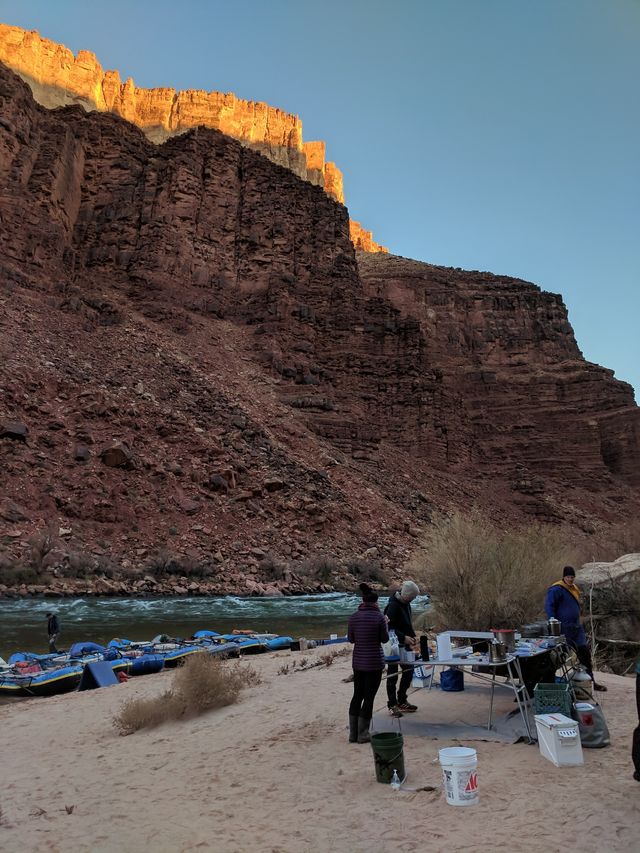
pixel 57 77
pixel 195 363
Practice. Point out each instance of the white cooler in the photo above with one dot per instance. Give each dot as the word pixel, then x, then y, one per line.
pixel 559 739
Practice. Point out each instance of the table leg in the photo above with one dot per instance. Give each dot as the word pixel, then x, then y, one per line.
pixel 517 688
pixel 493 688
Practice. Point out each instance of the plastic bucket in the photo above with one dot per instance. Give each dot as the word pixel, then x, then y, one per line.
pixel 459 777
pixel 388 756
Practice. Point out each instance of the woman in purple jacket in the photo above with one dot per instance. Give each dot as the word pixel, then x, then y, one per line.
pixel 367 630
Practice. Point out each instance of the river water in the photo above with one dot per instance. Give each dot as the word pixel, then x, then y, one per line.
pixel 23 624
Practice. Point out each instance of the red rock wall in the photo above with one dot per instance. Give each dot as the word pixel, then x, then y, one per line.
pixel 377 388
pixel 57 77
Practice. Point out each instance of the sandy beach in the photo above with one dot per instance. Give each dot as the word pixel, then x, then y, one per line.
pixel 275 773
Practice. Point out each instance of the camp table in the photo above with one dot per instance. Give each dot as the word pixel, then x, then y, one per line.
pixel 513 681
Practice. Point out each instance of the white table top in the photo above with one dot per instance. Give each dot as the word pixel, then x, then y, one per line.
pixel 472 660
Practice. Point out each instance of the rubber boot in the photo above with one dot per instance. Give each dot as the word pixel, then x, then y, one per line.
pixel 363 730
pixel 353 728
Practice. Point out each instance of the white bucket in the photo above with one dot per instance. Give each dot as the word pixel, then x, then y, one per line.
pixel 459 776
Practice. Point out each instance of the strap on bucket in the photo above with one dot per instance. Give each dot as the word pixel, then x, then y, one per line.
pixel 387 763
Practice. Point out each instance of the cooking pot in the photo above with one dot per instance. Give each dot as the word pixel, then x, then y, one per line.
pixel 553 626
pixel 497 652
pixel 506 636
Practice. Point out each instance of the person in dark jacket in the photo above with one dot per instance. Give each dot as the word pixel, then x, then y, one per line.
pixel 562 602
pixel 367 631
pixel 398 612
pixel 635 748
pixel 53 631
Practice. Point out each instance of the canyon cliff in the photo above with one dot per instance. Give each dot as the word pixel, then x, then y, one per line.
pixel 57 78
pixel 193 355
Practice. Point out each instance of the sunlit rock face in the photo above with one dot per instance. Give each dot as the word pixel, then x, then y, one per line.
pixel 203 310
pixel 57 77
pixel 363 239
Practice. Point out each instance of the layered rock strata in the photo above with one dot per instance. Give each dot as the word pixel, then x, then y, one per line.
pixel 57 77
pixel 199 313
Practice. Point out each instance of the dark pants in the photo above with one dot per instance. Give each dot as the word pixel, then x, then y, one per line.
pixel 365 687
pixel 392 680
pixel 584 656
pixel 52 643
pixel 635 749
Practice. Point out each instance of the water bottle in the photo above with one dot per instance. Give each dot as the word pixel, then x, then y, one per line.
pixel 395 781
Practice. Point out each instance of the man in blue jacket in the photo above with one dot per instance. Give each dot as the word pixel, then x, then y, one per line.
pixel 563 603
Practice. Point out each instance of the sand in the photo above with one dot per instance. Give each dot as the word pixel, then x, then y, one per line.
pixel 275 773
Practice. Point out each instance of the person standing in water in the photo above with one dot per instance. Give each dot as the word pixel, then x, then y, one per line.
pixel 53 631
pixel 367 631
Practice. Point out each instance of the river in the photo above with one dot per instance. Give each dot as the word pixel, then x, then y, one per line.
pixel 23 624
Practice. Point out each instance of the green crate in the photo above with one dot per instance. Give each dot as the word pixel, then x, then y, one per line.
pixel 552 698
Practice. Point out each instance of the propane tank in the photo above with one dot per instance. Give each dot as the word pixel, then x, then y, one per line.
pixel 582 685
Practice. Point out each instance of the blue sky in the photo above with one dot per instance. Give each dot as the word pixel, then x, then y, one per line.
pixel 499 135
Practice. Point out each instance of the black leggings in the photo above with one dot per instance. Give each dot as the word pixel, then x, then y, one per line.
pixel 365 687
pixel 392 680
pixel 635 749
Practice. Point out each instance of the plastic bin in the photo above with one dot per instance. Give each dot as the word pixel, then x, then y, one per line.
pixel 552 698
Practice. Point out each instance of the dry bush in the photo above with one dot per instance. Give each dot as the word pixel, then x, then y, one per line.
pixel 80 565
pixel 613 622
pixel 318 567
pixel 271 568
pixel 14 573
pixel 40 544
pixel 202 684
pixel 481 577
pixel 369 569
pixel 162 563
pixel 328 658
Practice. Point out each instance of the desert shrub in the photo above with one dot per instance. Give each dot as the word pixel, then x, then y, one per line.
pixel 328 658
pixel 319 568
pixel 79 565
pixel 271 569
pixel 17 573
pixel 40 544
pixel 368 569
pixel 202 684
pixel 162 564
pixel 481 577
pixel 612 612
pixel 106 567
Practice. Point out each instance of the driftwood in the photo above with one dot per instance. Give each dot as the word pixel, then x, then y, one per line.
pixel 619 642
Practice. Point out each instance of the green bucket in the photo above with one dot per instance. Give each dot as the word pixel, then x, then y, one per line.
pixel 388 756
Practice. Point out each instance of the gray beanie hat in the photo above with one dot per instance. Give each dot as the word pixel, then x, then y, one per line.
pixel 409 588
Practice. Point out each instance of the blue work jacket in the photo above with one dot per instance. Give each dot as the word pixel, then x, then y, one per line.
pixel 560 604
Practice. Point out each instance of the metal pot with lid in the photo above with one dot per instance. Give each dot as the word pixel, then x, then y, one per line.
pixel 506 636
pixel 553 626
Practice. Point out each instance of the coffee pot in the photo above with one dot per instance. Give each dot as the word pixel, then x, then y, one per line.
pixel 553 626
